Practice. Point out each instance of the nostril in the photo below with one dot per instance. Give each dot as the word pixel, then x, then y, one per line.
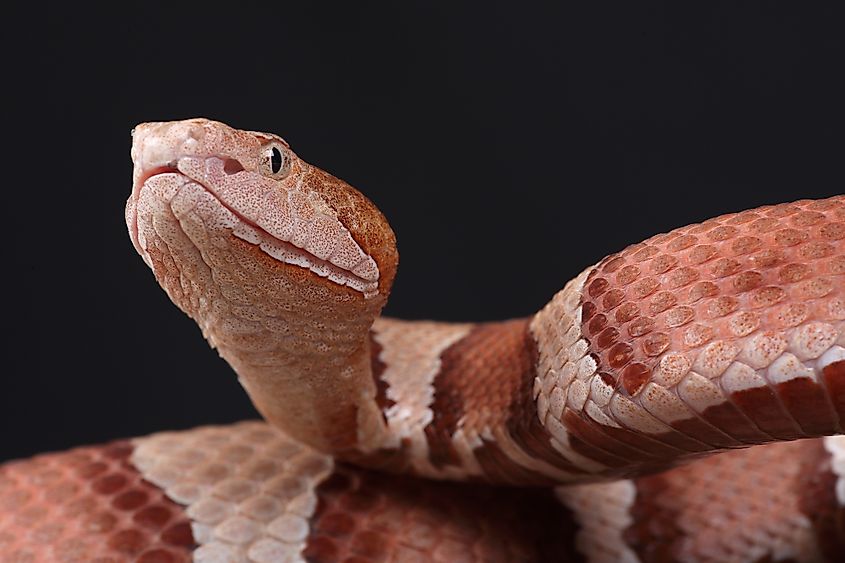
pixel 232 166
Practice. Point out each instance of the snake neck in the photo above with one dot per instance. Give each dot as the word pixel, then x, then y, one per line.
pixel 303 356
pixel 302 353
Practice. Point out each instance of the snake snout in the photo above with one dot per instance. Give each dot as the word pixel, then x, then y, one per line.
pixel 158 145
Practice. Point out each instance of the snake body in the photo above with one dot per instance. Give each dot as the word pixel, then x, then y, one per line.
pixel 707 339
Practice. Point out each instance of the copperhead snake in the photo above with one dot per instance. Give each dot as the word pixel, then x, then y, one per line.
pixel 389 440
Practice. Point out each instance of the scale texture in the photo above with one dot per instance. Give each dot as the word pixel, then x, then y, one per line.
pixel 246 492
pixel 88 504
pixel 677 401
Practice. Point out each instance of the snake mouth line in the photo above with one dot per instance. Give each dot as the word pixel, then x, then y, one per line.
pixel 282 251
pixel 158 171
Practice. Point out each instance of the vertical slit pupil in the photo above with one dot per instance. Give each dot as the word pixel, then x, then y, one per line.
pixel 276 160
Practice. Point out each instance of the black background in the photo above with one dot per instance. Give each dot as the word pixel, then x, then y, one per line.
pixel 510 146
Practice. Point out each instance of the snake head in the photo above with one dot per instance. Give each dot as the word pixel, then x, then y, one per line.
pixel 283 266
pixel 255 187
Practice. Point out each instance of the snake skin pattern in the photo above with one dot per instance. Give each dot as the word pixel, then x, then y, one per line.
pixel 711 338
pixel 246 492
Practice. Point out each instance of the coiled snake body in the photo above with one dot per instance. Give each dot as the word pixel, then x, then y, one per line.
pixel 708 339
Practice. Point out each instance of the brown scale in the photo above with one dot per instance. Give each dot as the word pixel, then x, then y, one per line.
pixel 834 379
pixel 731 506
pixel 366 517
pixel 586 437
pixel 485 380
pixel 819 503
pixel 680 291
pixel 88 505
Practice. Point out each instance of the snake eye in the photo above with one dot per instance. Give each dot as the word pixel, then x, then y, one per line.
pixel 274 161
